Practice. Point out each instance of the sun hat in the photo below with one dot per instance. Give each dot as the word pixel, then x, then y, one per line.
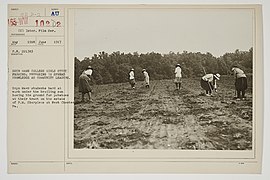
pixel 88 72
pixel 89 67
pixel 217 76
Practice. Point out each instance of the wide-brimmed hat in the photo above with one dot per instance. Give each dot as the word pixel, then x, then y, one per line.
pixel 177 65
pixel 89 67
pixel 217 76
pixel 233 68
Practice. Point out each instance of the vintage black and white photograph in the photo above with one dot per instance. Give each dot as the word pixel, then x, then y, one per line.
pixel 163 78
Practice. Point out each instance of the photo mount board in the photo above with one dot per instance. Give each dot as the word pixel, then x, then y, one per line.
pixel 40 138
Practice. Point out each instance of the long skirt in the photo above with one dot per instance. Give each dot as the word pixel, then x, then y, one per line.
pixel 241 84
pixel 132 82
pixel 206 85
pixel 177 80
pixel 84 84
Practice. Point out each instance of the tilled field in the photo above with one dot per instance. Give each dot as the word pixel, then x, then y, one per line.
pixel 163 118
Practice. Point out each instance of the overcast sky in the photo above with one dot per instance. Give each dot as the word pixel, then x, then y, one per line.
pixel 162 30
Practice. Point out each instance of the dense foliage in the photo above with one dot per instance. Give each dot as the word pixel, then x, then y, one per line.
pixel 114 68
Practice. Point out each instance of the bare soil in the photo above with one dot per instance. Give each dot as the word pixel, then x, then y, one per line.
pixel 163 118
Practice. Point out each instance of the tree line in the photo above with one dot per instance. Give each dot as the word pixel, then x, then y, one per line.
pixel 114 67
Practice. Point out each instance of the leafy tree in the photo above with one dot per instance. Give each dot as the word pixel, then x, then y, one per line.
pixel 114 67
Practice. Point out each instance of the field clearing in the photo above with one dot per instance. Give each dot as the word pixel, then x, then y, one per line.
pixel 162 118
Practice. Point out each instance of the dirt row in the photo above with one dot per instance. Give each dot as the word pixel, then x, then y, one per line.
pixel 163 118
